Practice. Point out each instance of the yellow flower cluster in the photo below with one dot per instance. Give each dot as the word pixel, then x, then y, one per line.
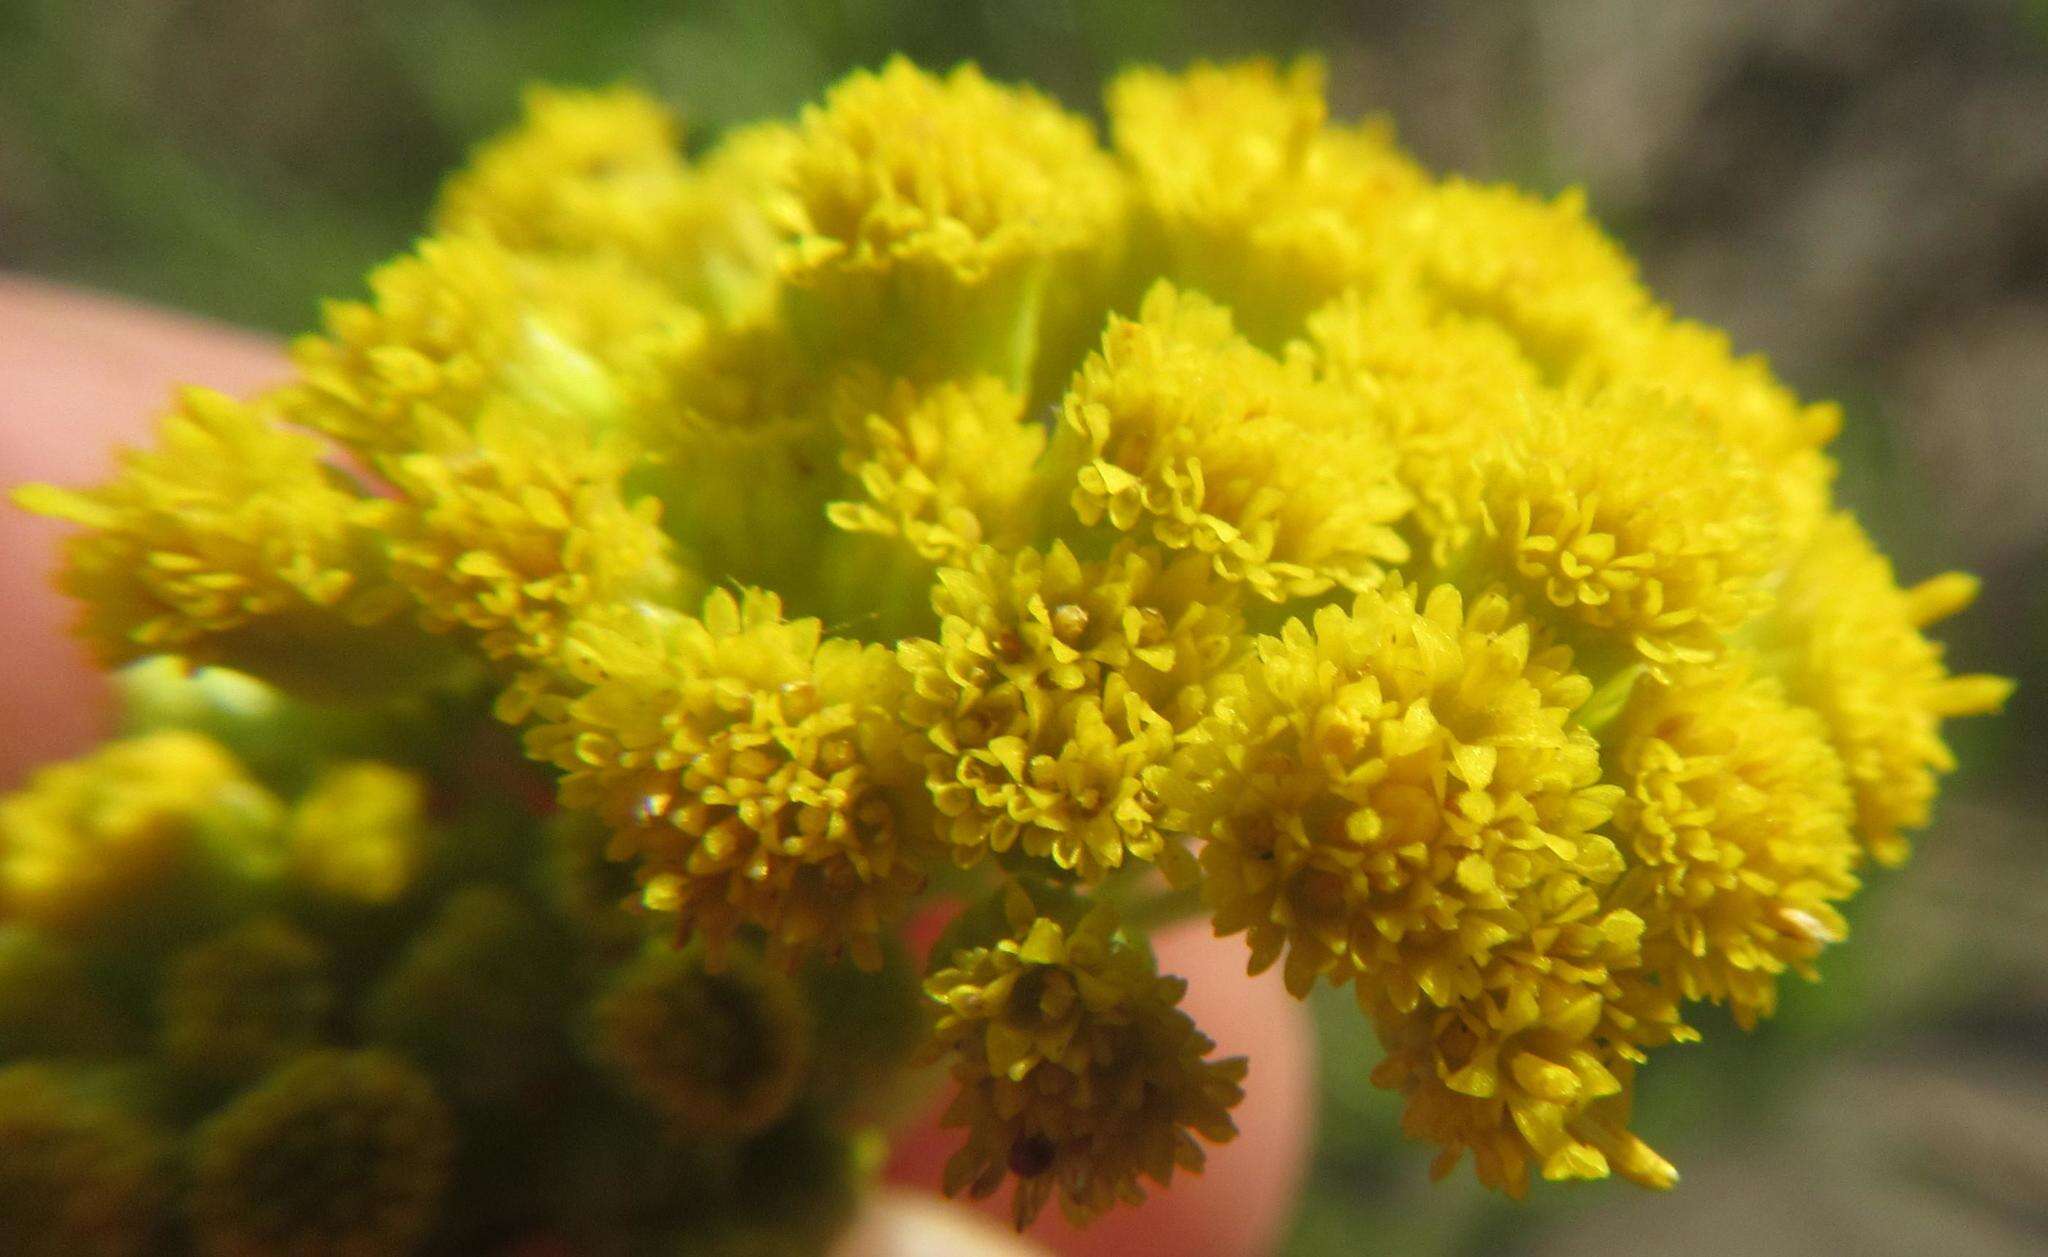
pixel 1039 706
pixel 1847 639
pixel 926 218
pixel 1398 797
pixel 1195 440
pixel 745 760
pixel 1247 193
pixel 922 493
pixel 1077 1072
pixel 938 466
pixel 232 540
pixel 1739 821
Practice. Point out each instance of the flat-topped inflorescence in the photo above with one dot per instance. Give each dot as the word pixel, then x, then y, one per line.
pixel 924 498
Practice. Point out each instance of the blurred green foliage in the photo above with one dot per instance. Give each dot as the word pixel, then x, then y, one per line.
pixel 244 158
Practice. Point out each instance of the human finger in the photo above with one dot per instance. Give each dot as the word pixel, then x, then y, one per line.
pixel 83 374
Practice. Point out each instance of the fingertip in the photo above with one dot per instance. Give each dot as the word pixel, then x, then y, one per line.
pixel 84 374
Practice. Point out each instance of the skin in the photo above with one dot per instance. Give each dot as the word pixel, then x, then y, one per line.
pixel 84 374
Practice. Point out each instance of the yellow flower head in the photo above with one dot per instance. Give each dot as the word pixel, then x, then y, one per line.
pixel 360 832
pixel 234 538
pixel 585 172
pixel 336 1152
pixel 1849 642
pixel 715 1053
pixel 1535 1068
pixel 1441 385
pixel 87 841
pixel 1737 824
pixel 1049 699
pixel 1543 271
pixel 511 539
pixel 1209 145
pixel 1248 195
pixel 1646 536
pixel 465 321
pixel 955 175
pixel 601 174
pixel 748 471
pixel 1188 435
pixel 1382 797
pixel 1078 1074
pixel 944 219
pixel 747 763
pixel 1736 400
pixel 77 1179
pixel 945 468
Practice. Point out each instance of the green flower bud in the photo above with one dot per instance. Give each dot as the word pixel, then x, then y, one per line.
pixel 480 998
pixel 717 1053
pixel 337 1154
pixel 77 1178
pixel 241 1003
pixel 48 1006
